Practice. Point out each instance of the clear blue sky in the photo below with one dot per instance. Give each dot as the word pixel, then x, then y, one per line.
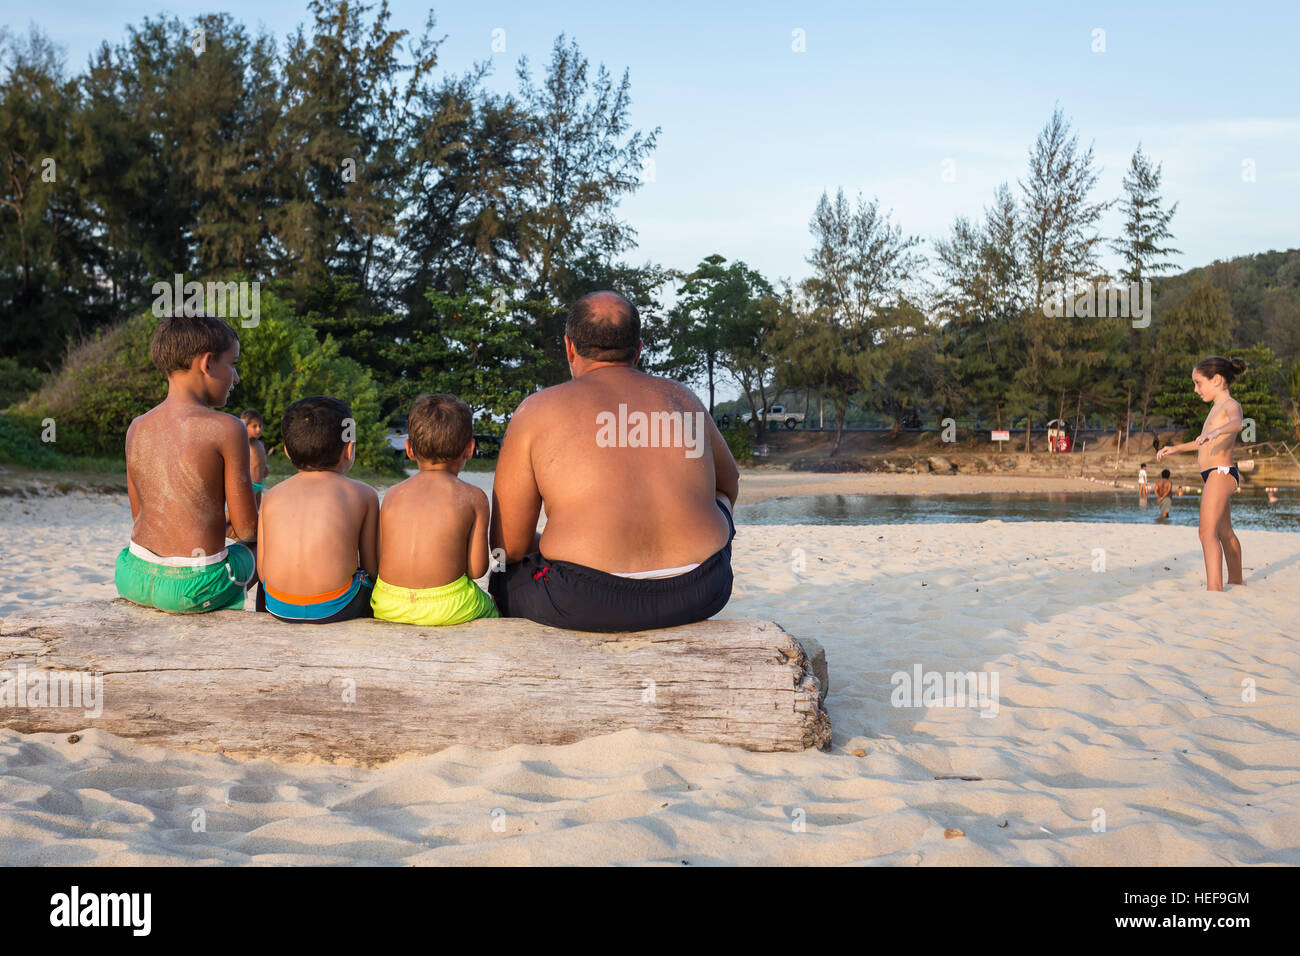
pixel 752 132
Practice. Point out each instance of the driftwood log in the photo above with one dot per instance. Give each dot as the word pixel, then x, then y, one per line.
pixel 367 692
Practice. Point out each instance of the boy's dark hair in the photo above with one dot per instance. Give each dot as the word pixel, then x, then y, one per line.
pixel 1164 473
pixel 313 432
pixel 1229 368
pixel 439 427
pixel 180 339
pixel 251 415
pixel 604 327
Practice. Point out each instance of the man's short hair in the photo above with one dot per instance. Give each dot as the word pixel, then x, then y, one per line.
pixel 313 432
pixel 604 327
pixel 250 415
pixel 180 339
pixel 439 427
pixel 1164 473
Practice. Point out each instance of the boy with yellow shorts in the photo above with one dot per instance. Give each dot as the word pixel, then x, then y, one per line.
pixel 433 527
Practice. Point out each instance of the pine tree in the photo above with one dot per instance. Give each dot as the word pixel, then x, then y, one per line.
pixel 716 304
pixel 584 160
pixel 980 307
pixel 1146 224
pixel 1141 249
pixel 337 148
pixel 1061 245
pixel 861 266
pixel 43 272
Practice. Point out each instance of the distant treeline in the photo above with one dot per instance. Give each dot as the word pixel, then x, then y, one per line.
pixel 421 232
pixel 339 167
pixel 1014 322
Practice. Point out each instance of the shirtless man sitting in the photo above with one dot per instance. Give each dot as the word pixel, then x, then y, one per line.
pixel 637 483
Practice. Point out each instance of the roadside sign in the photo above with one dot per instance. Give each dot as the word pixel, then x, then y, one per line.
pixel 1002 435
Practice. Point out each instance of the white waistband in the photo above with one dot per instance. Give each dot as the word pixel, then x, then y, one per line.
pixel 198 561
pixel 655 575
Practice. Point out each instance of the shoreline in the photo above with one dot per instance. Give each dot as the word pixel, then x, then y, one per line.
pixel 756 484
pixel 759 486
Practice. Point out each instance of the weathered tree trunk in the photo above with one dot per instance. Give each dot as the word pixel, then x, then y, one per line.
pixel 367 692
pixel 1128 419
pixel 711 385
pixel 1078 409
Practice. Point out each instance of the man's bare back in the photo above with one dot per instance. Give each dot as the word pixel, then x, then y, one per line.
pixel 615 509
pixel 184 462
pixel 432 530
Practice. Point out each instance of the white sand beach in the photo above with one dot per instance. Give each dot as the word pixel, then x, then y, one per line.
pixel 1121 735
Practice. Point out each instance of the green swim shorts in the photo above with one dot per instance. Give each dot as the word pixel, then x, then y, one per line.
pixel 209 583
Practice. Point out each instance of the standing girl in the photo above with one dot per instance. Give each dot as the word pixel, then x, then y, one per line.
pixel 1211 378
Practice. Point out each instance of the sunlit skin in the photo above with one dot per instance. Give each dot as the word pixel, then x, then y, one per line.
pixel 615 510
pixel 433 527
pixel 316 528
pixel 187 464
pixel 1214 448
pixel 257 465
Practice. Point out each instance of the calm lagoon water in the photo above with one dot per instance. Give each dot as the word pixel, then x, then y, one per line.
pixel 1250 509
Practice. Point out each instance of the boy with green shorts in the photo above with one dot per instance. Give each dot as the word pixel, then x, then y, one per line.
pixel 188 480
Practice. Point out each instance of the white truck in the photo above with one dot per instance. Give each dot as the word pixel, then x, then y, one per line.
pixel 776 415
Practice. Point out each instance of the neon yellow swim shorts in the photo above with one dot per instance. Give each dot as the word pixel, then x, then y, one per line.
pixel 454 603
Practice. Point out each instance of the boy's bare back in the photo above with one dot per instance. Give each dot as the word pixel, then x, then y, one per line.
pixel 184 462
pixel 315 529
pixel 432 529
pixel 257 455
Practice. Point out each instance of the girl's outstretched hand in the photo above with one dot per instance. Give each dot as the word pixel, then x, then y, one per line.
pixel 1162 452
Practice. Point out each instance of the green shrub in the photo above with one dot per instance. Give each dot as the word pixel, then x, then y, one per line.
pixel 109 379
pixel 281 361
pixel 106 380
pixel 740 439
pixel 18 447
pixel 17 382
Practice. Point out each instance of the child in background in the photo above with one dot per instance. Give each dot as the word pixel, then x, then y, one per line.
pixel 317 532
pixel 1165 493
pixel 433 527
pixel 1142 481
pixel 185 465
pixel 257 469
pixel 1211 379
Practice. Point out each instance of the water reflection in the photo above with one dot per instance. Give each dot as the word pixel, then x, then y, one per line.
pixel 1250 509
